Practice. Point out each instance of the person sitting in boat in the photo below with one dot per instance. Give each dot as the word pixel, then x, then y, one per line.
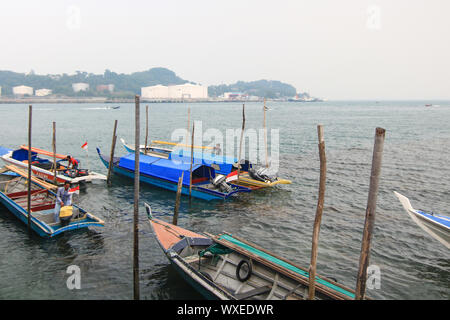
pixel 73 163
pixel 63 198
pixel 217 149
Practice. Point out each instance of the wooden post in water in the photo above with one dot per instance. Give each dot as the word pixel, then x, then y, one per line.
pixel 54 151
pixel 146 128
pixel 136 202
pixel 370 213
pixel 192 160
pixel 319 210
pixel 113 147
pixel 265 133
pixel 242 138
pixel 188 125
pixel 177 201
pixel 30 111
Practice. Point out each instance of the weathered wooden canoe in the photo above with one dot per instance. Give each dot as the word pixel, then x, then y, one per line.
pixel 14 194
pixel 229 268
pixel 436 225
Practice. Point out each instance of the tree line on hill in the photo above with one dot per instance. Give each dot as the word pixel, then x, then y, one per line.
pixel 127 85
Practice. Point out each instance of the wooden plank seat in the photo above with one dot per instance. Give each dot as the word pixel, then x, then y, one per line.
pixel 253 292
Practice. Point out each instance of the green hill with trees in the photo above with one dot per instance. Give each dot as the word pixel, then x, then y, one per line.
pixel 127 85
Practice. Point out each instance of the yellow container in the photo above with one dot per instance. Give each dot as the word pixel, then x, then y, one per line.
pixel 66 212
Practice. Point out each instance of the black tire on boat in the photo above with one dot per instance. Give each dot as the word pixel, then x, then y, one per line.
pixel 238 270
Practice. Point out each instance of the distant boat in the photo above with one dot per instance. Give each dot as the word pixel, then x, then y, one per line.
pixel 14 194
pixel 226 267
pixel 117 107
pixel 436 225
pixel 428 105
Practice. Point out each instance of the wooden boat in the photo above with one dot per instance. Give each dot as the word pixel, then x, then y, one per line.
pixel 436 225
pixel 43 168
pixel 165 173
pixel 227 267
pixel 14 195
pixel 249 176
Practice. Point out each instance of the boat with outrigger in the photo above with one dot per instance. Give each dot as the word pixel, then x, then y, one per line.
pixel 227 267
pixel 14 196
pixel 44 168
pixel 250 176
pixel 436 225
pixel 164 173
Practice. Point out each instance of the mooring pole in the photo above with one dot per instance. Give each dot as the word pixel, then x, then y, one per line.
pixel 265 133
pixel 242 138
pixel 319 210
pixel 370 213
pixel 146 128
pixel 188 125
pixel 113 147
pixel 177 201
pixel 30 111
pixel 192 161
pixel 54 151
pixel 136 202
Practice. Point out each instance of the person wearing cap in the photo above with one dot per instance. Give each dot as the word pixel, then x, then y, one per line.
pixel 63 198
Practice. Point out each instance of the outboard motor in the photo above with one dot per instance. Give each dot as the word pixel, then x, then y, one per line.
pixel 261 174
pixel 65 215
pixel 220 182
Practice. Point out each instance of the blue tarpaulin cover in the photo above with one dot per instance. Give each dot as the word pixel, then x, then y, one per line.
pixel 163 168
pixel 4 151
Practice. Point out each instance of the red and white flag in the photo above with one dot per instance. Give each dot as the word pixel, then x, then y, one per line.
pixel 84 146
pixel 232 176
pixel 75 190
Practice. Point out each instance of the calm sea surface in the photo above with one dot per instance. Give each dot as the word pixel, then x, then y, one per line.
pixel 415 162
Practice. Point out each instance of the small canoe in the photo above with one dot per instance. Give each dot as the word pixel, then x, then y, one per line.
pixel 227 267
pixel 43 168
pixel 249 177
pixel 14 195
pixel 436 225
pixel 165 173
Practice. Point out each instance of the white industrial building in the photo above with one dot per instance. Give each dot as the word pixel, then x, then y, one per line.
pixel 182 91
pixel 43 92
pixel 80 86
pixel 22 90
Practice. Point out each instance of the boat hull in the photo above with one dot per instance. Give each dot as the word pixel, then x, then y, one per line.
pixel 204 194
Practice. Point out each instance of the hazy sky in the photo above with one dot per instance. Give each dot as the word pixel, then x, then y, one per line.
pixel 348 49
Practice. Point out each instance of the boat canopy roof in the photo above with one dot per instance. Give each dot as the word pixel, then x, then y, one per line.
pixel 221 163
pixel 166 169
pixel 4 151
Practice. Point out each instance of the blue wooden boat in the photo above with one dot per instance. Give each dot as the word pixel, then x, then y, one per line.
pixel 250 176
pixel 436 225
pixel 164 173
pixel 227 267
pixel 14 194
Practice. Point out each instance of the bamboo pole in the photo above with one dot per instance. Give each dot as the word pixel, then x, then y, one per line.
pixel 113 147
pixel 30 112
pixel 146 128
pixel 54 151
pixel 265 133
pixel 192 160
pixel 177 201
pixel 319 210
pixel 136 202
pixel 242 138
pixel 370 213
pixel 188 125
